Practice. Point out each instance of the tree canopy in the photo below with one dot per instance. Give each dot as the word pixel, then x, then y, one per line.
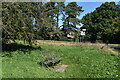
pixel 40 20
pixel 101 23
pixel 35 20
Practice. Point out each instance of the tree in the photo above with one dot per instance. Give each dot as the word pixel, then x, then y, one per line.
pixel 72 10
pixel 45 20
pixel 99 22
pixel 115 34
pixel 30 21
pixel 55 9
pixel 60 6
pixel 23 20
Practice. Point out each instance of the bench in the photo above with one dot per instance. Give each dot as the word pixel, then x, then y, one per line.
pixel 52 62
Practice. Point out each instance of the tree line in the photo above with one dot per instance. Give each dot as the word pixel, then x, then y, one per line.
pixel 38 20
pixel 29 21
pixel 103 24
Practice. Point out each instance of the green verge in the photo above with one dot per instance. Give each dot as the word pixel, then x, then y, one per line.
pixel 83 62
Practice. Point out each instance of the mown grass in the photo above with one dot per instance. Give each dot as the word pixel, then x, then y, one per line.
pixel 82 61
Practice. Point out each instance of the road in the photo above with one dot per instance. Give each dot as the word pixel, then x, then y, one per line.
pixel 115 46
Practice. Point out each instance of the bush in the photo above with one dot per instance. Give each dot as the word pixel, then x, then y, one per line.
pixel 63 38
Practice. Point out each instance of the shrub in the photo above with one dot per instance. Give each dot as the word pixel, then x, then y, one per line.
pixel 63 38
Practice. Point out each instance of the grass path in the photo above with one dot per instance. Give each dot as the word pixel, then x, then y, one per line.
pixel 49 42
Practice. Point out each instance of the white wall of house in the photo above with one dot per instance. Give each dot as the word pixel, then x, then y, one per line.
pixel 71 35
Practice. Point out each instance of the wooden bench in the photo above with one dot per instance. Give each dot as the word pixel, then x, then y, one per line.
pixel 52 62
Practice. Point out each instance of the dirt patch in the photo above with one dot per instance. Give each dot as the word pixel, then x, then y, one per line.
pixel 60 68
pixel 56 43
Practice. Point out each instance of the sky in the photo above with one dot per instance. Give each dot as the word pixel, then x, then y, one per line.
pixel 87 7
pixel 91 0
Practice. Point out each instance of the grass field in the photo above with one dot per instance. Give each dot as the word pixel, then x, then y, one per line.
pixel 82 61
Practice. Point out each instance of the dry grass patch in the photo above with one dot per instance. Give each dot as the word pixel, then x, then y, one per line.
pixel 101 47
pixel 63 43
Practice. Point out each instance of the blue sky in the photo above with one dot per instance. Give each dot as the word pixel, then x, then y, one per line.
pixel 87 7
pixel 91 0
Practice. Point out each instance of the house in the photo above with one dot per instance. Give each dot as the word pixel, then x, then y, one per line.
pixel 82 31
pixel 71 34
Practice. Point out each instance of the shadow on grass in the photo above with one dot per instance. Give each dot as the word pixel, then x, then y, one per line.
pixel 18 47
pixel 48 65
